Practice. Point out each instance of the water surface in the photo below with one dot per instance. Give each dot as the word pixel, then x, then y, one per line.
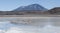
pixel 39 25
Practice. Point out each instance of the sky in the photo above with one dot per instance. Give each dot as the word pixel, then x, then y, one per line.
pixel 8 5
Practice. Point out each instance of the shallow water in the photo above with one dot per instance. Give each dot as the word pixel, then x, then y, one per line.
pixel 44 25
pixel 6 27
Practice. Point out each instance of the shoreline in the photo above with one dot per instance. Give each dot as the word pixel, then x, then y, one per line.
pixel 29 15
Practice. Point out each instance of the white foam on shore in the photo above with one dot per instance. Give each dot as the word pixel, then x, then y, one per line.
pixel 46 29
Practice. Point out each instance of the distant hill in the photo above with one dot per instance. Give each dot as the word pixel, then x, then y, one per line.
pixel 32 7
pixel 55 11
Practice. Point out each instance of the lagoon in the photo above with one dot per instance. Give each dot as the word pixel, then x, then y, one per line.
pixel 37 25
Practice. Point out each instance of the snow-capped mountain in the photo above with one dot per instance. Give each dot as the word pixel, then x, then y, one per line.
pixel 31 7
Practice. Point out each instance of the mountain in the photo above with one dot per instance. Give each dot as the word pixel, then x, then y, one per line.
pixel 55 11
pixel 35 7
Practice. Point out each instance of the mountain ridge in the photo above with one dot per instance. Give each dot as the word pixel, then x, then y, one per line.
pixel 31 7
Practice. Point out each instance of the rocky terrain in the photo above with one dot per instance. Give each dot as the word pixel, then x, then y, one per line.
pixel 55 11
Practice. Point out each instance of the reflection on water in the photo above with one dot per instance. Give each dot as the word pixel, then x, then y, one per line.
pixel 43 25
pixel 12 28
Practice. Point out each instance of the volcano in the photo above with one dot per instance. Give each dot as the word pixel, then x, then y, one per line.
pixel 35 7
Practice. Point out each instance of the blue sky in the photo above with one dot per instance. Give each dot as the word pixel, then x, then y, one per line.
pixel 7 5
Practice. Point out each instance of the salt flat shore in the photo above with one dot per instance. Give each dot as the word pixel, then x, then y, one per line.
pixel 29 15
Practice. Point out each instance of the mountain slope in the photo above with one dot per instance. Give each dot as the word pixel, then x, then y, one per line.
pixel 55 11
pixel 35 7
